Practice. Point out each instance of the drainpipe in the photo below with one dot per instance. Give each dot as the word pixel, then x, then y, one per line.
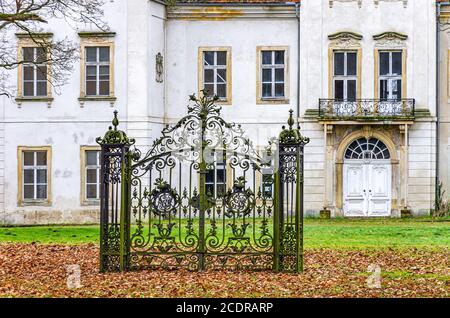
pixel 297 13
pixel 438 124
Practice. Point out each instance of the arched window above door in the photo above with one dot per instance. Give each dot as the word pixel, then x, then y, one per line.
pixel 368 149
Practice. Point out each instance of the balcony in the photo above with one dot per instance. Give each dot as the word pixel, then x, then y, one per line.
pixel 367 109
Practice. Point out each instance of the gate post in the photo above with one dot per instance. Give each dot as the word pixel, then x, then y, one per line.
pixel 115 162
pixel 288 214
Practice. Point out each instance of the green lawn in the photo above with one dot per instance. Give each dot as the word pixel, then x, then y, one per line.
pixel 335 233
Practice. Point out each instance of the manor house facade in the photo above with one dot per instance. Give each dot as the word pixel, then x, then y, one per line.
pixel 368 80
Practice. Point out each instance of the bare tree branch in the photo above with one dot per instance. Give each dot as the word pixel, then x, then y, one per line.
pixel 28 17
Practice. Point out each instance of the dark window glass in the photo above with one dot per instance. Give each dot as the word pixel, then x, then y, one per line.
pixel 397 63
pixel 221 58
pixel 41 88
pixel 351 90
pixel 41 157
pixel 28 54
pixel 28 192
pixel 221 75
pixel 279 74
pixel 266 57
pixel 91 157
pixel 266 90
pixel 384 93
pixel 28 73
pixel 41 176
pixel 267 75
pixel 279 90
pixel 209 89
pixel 351 63
pixel 209 76
pixel 28 89
pixel 222 90
pixel 28 176
pixel 208 58
pixel 104 54
pixel 384 63
pixel 41 192
pixel 339 89
pixel 279 57
pixel 91 54
pixel 28 158
pixel 104 88
pixel 338 63
pixel 91 191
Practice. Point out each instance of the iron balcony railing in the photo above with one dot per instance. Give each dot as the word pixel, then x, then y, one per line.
pixel 367 108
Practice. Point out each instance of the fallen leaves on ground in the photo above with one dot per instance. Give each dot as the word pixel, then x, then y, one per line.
pixel 33 270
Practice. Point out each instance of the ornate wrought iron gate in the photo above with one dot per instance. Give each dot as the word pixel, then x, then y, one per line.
pixel 202 197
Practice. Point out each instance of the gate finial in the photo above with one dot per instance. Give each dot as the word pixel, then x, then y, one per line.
pixel 292 135
pixel 115 136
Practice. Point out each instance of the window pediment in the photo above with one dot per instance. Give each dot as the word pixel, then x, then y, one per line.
pixel 345 39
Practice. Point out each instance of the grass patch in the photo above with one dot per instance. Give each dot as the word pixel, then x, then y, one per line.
pixel 334 233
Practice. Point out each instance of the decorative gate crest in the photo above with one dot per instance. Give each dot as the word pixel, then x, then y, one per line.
pixel 202 197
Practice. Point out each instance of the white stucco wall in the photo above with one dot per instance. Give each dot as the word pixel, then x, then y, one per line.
pixel 143 29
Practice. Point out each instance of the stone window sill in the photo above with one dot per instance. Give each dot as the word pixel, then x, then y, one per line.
pixel 92 203
pixel 34 203
pixel 43 99
pixel 263 101
pixel 84 99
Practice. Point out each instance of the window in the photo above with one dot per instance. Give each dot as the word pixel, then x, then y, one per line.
pixel 97 67
pixel 34 70
pixel 215 72
pixel 272 75
pixel 267 185
pixel 345 75
pixel 90 174
pixel 368 149
pixel 390 74
pixel 34 175
pixel 216 180
pixel 97 71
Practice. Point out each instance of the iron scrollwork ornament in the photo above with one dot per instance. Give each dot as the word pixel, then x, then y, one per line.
pixel 239 202
pixel 165 200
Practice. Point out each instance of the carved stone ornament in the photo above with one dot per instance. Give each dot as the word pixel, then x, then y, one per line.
pixel 359 2
pixel 377 2
pixel 159 68
pixel 345 40
pixel 390 40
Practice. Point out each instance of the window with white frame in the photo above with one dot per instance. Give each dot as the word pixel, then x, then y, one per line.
pixel 35 183
pixel 215 73
pixel 390 74
pixel 34 70
pixel 97 70
pixel 273 74
pixel 92 174
pixel 345 75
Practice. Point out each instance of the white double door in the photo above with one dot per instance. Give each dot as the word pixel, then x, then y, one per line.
pixel 367 188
